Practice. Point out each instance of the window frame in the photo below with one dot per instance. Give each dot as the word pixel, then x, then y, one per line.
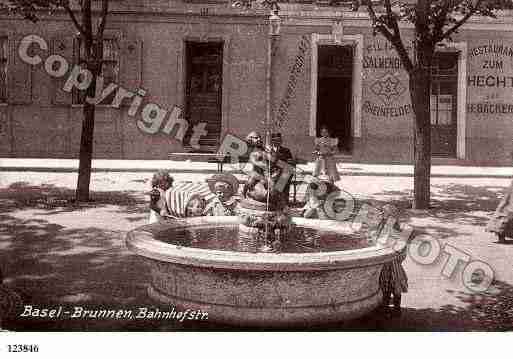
pixel 438 77
pixel 109 35
pixel 5 37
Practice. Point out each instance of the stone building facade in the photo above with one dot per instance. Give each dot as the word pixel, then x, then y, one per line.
pixel 207 62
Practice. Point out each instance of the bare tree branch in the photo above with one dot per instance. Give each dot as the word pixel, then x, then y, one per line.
pixel 440 20
pixel 88 27
pixel 464 19
pixel 390 15
pixel 422 11
pixel 73 18
pixel 395 36
pixel 103 17
pixel 376 23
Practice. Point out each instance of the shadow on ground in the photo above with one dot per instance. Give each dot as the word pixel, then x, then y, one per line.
pixel 50 265
pixel 489 311
pixel 451 205
pixel 54 199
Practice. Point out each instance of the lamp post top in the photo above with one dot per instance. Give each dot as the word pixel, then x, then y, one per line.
pixel 274 23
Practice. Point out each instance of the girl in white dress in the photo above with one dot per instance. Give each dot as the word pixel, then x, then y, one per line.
pixel 325 149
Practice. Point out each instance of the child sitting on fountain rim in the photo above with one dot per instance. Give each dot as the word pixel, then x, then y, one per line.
pixel 225 187
pixel 316 194
pixel 393 279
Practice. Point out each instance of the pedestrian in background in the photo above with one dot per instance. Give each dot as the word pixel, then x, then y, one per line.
pixel 501 222
pixel 325 149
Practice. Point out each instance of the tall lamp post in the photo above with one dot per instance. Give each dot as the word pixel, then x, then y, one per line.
pixel 274 33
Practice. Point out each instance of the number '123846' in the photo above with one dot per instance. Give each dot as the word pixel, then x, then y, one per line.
pixel 23 348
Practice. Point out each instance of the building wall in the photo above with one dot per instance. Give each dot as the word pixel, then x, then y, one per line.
pixel 46 124
pixel 39 120
pixel 490 83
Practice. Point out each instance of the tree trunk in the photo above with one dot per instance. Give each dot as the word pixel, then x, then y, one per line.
pixel 420 85
pixel 86 154
pixel 87 136
pixel 86 146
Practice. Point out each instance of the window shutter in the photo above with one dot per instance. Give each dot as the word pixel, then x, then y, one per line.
pixel 5 133
pixel 63 46
pixel 19 75
pixel 131 71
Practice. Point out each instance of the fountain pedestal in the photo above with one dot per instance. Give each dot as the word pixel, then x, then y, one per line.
pixel 261 229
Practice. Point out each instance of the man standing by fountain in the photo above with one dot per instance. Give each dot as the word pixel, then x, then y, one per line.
pixel 282 154
pixel 254 142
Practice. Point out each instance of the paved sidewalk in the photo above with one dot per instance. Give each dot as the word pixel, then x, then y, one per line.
pixel 71 165
pixel 346 169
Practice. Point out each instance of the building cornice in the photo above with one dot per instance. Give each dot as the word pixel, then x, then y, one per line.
pixel 291 14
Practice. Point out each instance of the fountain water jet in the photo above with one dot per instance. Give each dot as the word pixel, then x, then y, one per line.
pixel 265 268
pixel 264 220
pixel 325 271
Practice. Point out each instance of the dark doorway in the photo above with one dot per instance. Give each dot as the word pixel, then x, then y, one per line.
pixel 334 93
pixel 444 86
pixel 203 91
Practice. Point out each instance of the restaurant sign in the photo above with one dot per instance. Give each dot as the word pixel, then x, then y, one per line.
pixel 490 79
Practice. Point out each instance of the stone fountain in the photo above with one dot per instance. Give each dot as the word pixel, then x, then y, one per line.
pixel 265 268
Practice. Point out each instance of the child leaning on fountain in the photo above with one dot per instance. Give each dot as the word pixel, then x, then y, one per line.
pixel 173 201
pixel 160 183
pixel 187 199
pixel 225 187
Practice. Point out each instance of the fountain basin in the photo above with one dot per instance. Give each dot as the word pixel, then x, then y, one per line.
pixel 262 289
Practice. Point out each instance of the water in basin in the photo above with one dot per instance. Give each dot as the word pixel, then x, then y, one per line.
pixel 298 240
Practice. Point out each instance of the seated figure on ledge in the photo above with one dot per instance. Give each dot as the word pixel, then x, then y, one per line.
pixel 393 280
pixel 225 187
pixel 264 182
pixel 316 193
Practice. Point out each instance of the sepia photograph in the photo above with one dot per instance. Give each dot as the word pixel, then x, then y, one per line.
pixel 255 165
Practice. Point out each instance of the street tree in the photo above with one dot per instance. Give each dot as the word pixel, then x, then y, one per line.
pixel 89 23
pixel 433 23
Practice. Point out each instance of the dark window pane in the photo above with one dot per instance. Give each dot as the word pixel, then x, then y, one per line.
pixel 444 85
pixel 3 69
pixel 110 68
pixel 447 87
